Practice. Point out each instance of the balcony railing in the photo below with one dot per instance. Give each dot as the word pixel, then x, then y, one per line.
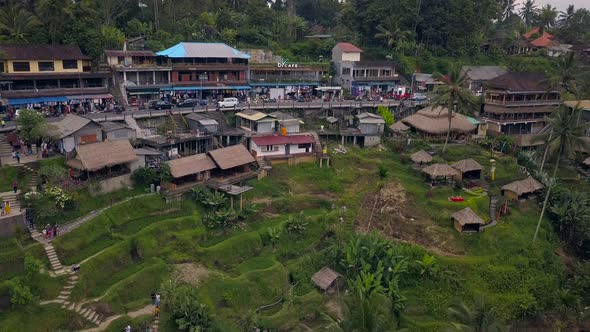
pixel 555 102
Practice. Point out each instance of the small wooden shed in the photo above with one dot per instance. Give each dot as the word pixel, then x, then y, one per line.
pixel 521 189
pixel 326 279
pixel 466 221
pixel 469 168
pixel 421 157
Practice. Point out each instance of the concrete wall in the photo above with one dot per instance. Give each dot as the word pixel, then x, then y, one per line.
pixel 266 127
pixel 34 66
pixel 370 128
pixel 282 150
pixel 292 129
pixel 119 134
pixel 112 184
pixel 8 225
pixel 372 140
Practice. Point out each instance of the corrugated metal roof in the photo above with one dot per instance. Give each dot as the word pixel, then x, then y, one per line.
pixel 483 73
pixel 203 50
pixel 252 115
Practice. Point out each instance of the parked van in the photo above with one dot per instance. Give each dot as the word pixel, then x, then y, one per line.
pixel 228 102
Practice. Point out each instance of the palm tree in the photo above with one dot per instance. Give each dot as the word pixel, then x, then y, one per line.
pixel 528 12
pixel 391 33
pixel 507 8
pixel 564 136
pixel 479 318
pixel 363 315
pixel 565 17
pixel 17 23
pixel 454 96
pixel 547 17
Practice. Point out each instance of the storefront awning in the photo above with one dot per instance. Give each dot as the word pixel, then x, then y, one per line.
pixel 85 97
pixel 196 88
pixel 329 88
pixel 36 100
pixel 267 84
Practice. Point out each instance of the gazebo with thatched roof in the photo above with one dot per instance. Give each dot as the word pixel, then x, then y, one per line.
pixel 441 172
pixel 399 128
pixel 434 121
pixel 466 221
pixel 521 189
pixel 469 168
pixel 421 157
pixel 326 279
pixel 586 162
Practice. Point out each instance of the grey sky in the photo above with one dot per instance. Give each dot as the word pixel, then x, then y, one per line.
pixel 562 4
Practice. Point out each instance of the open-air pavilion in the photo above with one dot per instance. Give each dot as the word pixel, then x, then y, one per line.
pixel 441 173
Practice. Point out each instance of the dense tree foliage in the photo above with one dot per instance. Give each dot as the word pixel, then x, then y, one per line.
pixel 437 27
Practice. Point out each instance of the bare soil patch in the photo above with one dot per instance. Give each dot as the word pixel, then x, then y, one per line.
pixel 192 273
pixel 391 211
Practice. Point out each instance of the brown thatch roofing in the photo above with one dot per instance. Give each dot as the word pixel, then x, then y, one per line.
pixel 434 121
pixel 440 170
pixel 231 156
pixel 95 156
pixel 526 186
pixel 467 165
pixel 521 82
pixel 325 277
pixel 466 216
pixel 421 157
pixel 586 161
pixel 399 127
pixel 190 165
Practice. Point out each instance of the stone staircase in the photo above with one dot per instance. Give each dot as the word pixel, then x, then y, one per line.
pixel 13 199
pixel 317 145
pixel 493 212
pixel 64 296
pixel 34 177
pixel 179 123
pixel 5 148
pixel 139 132
pixel 243 140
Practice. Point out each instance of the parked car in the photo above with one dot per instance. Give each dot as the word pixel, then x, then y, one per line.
pixel 419 97
pixel 188 103
pixel 160 105
pixel 228 102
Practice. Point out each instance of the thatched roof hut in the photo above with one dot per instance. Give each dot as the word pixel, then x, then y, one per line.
pixel 399 127
pixel 434 121
pixel 421 157
pixel 231 156
pixel 96 156
pixel 520 188
pixel 586 161
pixel 440 171
pixel 469 168
pixel 466 220
pixel 190 165
pixel 325 278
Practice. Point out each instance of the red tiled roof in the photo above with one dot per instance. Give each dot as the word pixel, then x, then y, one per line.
pixel 282 140
pixel 348 47
pixel 542 41
pixel 529 34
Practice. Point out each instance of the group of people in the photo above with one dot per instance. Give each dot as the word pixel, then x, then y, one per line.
pixel 156 302
pixel 50 232
pixel 5 208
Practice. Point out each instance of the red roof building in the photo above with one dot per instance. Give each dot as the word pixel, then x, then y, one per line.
pixel 536 30
pixel 282 140
pixel 348 47
pixel 280 147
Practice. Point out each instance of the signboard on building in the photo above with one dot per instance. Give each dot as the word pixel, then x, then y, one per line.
pixel 286 64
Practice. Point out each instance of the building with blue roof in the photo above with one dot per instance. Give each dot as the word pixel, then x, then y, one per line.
pixel 199 70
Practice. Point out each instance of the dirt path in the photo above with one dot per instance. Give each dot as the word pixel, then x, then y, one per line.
pixel 147 310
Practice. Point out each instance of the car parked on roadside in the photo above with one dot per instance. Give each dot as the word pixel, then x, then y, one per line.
pixel 228 102
pixel 188 103
pixel 419 97
pixel 160 105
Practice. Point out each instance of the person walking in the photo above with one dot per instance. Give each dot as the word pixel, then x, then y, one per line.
pixel 158 300
pixel 153 298
pixel 3 123
pixel 17 157
pixel 14 186
pixel 8 207
pixel 44 233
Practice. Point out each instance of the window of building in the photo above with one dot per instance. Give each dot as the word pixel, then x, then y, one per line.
pixel 46 66
pixel 21 66
pixel 270 148
pixel 70 64
pixel 1 67
pixel 345 71
pixel 372 72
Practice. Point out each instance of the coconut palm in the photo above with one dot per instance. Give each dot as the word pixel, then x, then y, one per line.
pixel 479 318
pixel 507 7
pixel 16 23
pixel 391 33
pixel 565 17
pixel 564 136
pixel 454 96
pixel 528 12
pixel 547 17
